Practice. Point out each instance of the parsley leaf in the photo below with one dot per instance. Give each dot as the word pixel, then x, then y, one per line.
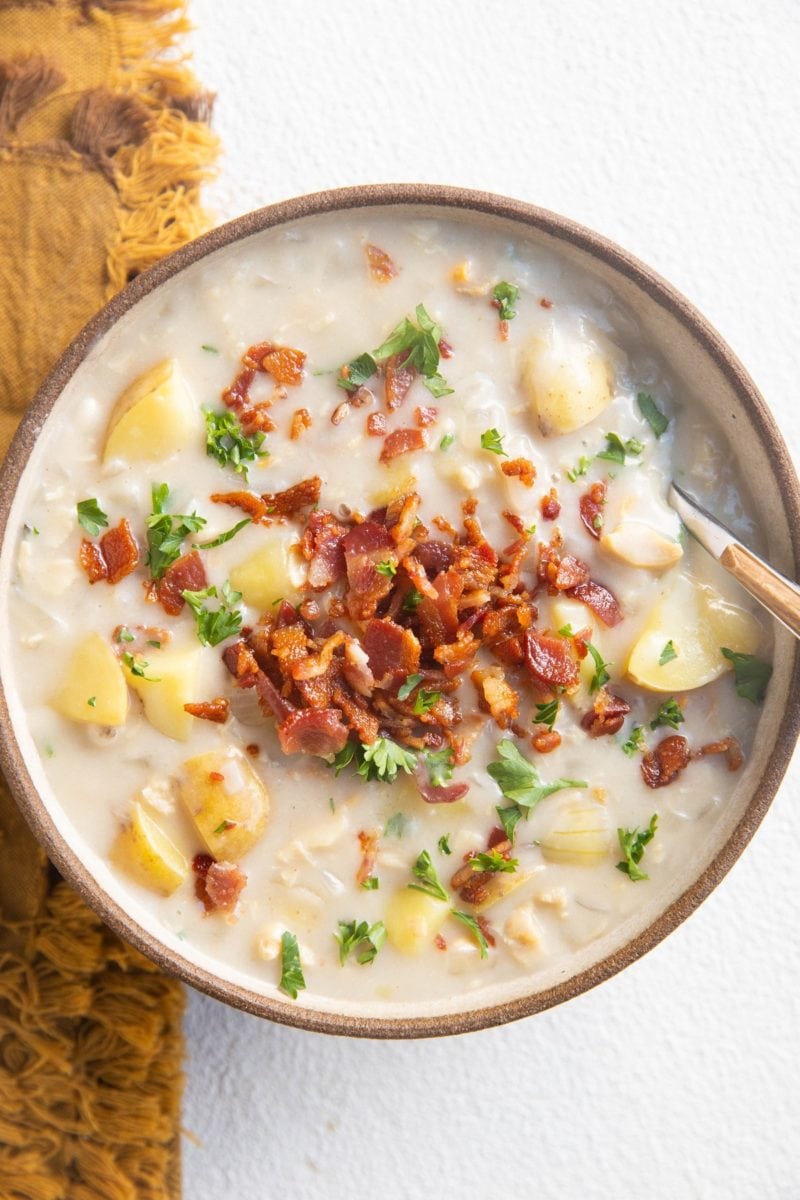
pixel 209 349
pixel 397 826
pixel 669 713
pixel 387 568
pixel 215 625
pixel 137 666
pixel 371 883
pixel 222 537
pixel 546 714
pixel 667 654
pixel 493 860
pixel 506 295
pixel 407 688
pixel 519 780
pixel 124 635
pixel 227 442
pixel 361 939
pixel 492 440
pixel 355 374
pixel 472 924
pixel 425 700
pixel 440 765
pixel 652 414
pixel 419 343
pixel 412 600
pixel 510 817
pixel 429 882
pixel 166 531
pixel 91 517
pixel 632 843
pixel 635 741
pixel 566 631
pixel 438 386
pixel 383 758
pixel 343 758
pixel 92 701
pixel 616 449
pixel 751 674
pixel 444 844
pixel 447 441
pixel 583 466
pixel 601 675
pixel 292 980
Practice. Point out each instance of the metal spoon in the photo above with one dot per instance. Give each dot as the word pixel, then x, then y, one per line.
pixel 779 595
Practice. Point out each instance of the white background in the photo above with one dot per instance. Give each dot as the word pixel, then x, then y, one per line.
pixel 672 127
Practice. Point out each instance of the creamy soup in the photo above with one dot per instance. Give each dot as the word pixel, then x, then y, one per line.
pixel 360 648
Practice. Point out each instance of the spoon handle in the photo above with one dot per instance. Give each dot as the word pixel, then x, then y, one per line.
pixel 778 594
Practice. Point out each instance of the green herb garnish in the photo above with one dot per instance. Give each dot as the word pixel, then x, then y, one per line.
pixel 440 765
pixel 447 441
pixel 616 450
pixel 429 882
pixel 506 295
pixel 405 690
pixel 356 373
pixel 228 443
pixel 92 701
pixel 419 344
pixel 125 635
pixel 583 466
pixel 209 349
pixel 292 980
pixel 601 675
pixel 635 741
pixel 412 600
pixel 222 537
pixel 546 714
pixel 444 844
pixel 360 938
pixel 383 758
pixel 138 666
pixel 519 780
pixel 91 517
pixel 387 568
pixel 750 673
pixel 652 414
pixel 371 883
pixel 667 654
pixel 493 860
pixel 425 700
pixel 397 826
pixel 166 531
pixel 474 928
pixel 214 625
pixel 632 843
pixel 669 713
pixel 493 441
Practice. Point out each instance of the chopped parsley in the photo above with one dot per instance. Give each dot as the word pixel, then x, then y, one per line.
pixel 601 675
pixel 425 700
pixel 214 625
pixel 751 674
pixel 667 654
pixel 383 758
pixel 493 860
pixel 444 844
pixel 166 531
pixel 228 443
pixel 225 825
pixel 669 713
pixel 583 466
pixel 125 635
pixel 355 374
pixel 546 714
pixel 138 666
pixel 632 843
pixel 652 414
pixel 635 741
pixel 412 600
pixel 566 631
pixel 440 765
pixel 493 441
pixel 92 701
pixel 91 517
pixel 222 538
pixel 361 939
pixel 292 980
pixel 616 450
pixel 209 349
pixel 474 928
pixel 506 296
pixel 387 568
pixel 519 781
pixel 371 883
pixel 447 441
pixel 510 816
pixel 407 688
pixel 424 871
pixel 419 344
pixel 397 826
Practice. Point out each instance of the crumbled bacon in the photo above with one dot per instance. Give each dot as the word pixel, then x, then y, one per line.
pixel 591 508
pixel 546 741
pixel 241 662
pixel 316 731
pixel 248 502
pixel 549 660
pixel 285 365
pixel 600 600
pixel 301 421
pixel 368 843
pixel 217 710
pixel 393 652
pixel 219 886
pixel 607 714
pixel 444 794
pixel 376 425
pixel 137 639
pixel 294 499
pixel 545 303
pixel 322 546
pixel 521 469
pixel 397 379
pixel 549 505
pixel 496 696
pixel 115 557
pixel 381 264
pixel 401 441
pixel 560 572
pixel 727 746
pixel 365 547
pixel 445 349
pixel 661 765
pixel 92 561
pixel 425 415
pixel 186 575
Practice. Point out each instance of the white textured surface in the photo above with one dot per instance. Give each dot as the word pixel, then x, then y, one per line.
pixel 673 129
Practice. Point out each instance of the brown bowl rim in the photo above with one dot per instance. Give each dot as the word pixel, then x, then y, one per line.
pixel 669 298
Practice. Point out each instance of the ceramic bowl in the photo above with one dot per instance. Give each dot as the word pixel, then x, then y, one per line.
pixel 697 358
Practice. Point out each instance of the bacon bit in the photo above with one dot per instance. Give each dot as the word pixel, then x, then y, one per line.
pixel 340 412
pixel 248 502
pixel 315 665
pixel 439 942
pixel 241 662
pixel 545 303
pixel 300 422
pixel 546 741
pixel 521 469
pixel 393 652
pixel 516 522
pixel 219 886
pixel 284 365
pixel 357 717
pixel 270 701
pixel 568 573
pixel 376 425
pixel 294 499
pixel 486 930
pixel 600 600
pixel 210 710
pixel 502 326
pixel 591 508
pixel 401 441
pixel 92 561
pixel 549 505
pixel 368 841
pixel 445 349
pixel 365 547
pixel 186 575
pixel 356 669
pixel 381 264
pixel 457 656
pixel 317 731
pixel 322 547
pixel 661 765
pixel 495 695
pixel 727 746
pixel 216 776
pixel 120 551
pixel 201 864
pixel 446 794
pixel 607 715
pixel 426 415
pixel 549 661
pixel 253 749
pixel 397 381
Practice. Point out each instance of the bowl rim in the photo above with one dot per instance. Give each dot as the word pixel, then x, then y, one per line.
pixel 666 296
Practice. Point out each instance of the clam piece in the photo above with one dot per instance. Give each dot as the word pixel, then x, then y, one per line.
pixel 640 545
pixel 567 380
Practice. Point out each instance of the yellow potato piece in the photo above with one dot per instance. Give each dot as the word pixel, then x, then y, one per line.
pixel 153 418
pixel 145 851
pixel 580 836
pixel 698 622
pixel 641 545
pixel 169 682
pixel 501 885
pixel 567 381
pixel 271 573
pixel 226 800
pixel 94 674
pixel 413 919
pixel 395 480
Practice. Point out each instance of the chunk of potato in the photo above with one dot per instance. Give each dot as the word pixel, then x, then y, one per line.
pixel 273 572
pixel 568 381
pixel 169 682
pixel 579 836
pixel 640 545
pixel 413 919
pixel 145 851
pixel 698 621
pixel 395 480
pixel 226 800
pixel 94 688
pixel 153 418
pixel 501 885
